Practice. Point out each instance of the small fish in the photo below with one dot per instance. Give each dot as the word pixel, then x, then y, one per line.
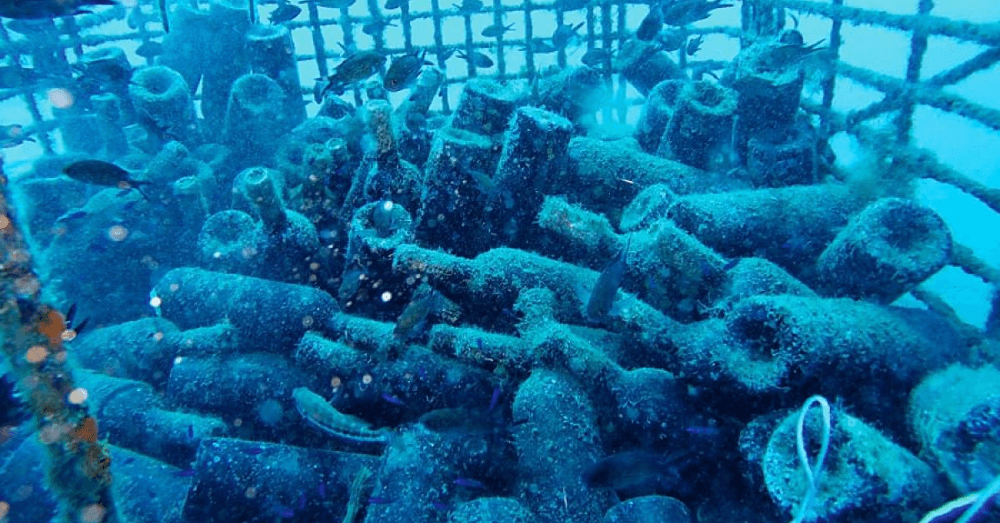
pixel 636 473
pixel 496 30
pixel 650 25
pixel 315 410
pixel 99 172
pixel 694 45
pixel 791 50
pixel 426 302
pixel 75 215
pixel 389 398
pixel 12 77
pixel 683 12
pixel 602 296
pixel 186 473
pixel 376 26
pixel 470 483
pixel 563 34
pixel 394 4
pixel 540 47
pixel 355 68
pixel 477 59
pixel 469 6
pixel 330 4
pixel 40 9
pixel 284 13
pixel 671 39
pixel 596 57
pixel 149 49
pixel 404 70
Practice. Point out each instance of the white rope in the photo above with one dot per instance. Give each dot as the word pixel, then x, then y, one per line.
pixel 812 471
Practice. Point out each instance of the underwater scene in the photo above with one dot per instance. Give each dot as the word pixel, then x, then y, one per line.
pixel 500 261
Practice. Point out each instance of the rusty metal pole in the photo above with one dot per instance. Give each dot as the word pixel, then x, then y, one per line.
pixel 32 335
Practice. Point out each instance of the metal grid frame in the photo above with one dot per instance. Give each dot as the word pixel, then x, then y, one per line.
pixel 606 25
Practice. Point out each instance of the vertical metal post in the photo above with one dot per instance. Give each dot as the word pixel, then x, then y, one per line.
pixel 622 101
pixel 439 50
pixel 319 44
pixel 529 53
pixel 498 20
pixel 918 47
pixel 404 19
pixel 830 80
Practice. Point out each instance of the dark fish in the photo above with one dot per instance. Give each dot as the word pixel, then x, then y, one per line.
pixel 477 59
pixel 563 34
pixel 694 45
pixel 389 398
pixel 540 47
pixel 149 49
pixel 426 302
pixel 470 6
pixel 671 39
pixel 331 4
pixel 75 215
pixel 186 473
pixel 284 13
pixel 637 473
pixel 98 172
pixel 496 30
pixel 13 77
pixel 605 290
pixel 651 25
pixel 790 51
pixel 376 26
pixel 470 483
pixel 404 70
pixel 13 135
pixel 355 68
pixel 39 9
pixel 683 12
pixel 596 57
pixel 394 4
pixel 445 54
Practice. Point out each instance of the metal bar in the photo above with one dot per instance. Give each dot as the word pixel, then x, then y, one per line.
pixel 829 82
pixel 987 34
pixel 319 43
pixel 498 20
pixel 980 62
pixel 918 47
pixel 405 19
pixel 439 50
pixel 620 35
pixel 529 53
pixel 469 47
pixel 928 95
pixel 78 463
